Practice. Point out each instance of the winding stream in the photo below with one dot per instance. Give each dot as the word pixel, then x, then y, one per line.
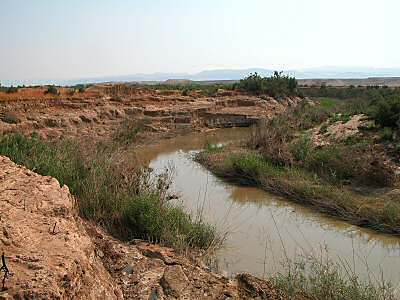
pixel 265 229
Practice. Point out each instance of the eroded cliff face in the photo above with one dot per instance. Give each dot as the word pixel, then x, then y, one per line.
pixel 98 115
pixel 53 254
pixel 46 246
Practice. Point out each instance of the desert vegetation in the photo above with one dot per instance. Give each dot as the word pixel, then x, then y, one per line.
pixel 9 90
pixel 299 155
pixel 360 92
pixel 291 155
pixel 320 278
pixel 191 88
pixel 340 176
pixel 51 89
pixel 112 189
pixel 278 85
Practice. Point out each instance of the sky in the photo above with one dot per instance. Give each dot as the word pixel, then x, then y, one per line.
pixel 43 39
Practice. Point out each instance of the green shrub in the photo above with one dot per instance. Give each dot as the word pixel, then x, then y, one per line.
pixel 386 134
pixel 9 90
pixel 273 138
pixel 253 84
pixel 210 91
pixel 340 117
pixel 397 149
pixel 211 147
pixel 165 223
pixel 301 147
pixel 357 93
pixel 249 168
pixel 328 163
pixel 277 85
pixel 81 88
pixel 327 102
pixel 355 162
pixel 56 160
pixel 12 90
pixel 51 89
pixel 386 112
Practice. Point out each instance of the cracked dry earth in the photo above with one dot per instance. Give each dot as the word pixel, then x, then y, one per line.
pixel 53 254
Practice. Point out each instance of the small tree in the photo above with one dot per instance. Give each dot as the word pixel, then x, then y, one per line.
pixel 252 84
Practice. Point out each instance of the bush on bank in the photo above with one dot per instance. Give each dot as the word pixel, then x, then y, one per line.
pixel 277 85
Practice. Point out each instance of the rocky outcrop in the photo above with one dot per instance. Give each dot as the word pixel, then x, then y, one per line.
pixel 53 254
pixel 147 271
pixel 339 131
pixel 46 246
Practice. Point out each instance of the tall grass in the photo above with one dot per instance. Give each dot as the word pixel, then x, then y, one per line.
pixel 112 190
pixel 320 278
pixel 305 187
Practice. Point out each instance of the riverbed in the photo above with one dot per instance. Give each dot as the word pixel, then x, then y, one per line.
pixel 264 230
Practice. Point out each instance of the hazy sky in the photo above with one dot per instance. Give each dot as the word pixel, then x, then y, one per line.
pixel 82 38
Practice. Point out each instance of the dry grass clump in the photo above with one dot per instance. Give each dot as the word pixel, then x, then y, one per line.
pixel 320 278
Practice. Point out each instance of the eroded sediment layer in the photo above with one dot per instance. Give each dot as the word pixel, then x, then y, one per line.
pixel 98 114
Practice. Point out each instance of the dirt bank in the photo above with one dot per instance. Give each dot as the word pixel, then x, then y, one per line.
pixel 51 253
pixel 99 110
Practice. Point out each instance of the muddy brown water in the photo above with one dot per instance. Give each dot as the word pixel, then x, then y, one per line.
pixel 264 229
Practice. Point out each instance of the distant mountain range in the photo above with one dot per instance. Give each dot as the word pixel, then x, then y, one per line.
pixel 228 74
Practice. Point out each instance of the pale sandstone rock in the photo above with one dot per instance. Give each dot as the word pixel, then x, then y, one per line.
pixel 174 281
pixel 46 247
pixel 100 116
